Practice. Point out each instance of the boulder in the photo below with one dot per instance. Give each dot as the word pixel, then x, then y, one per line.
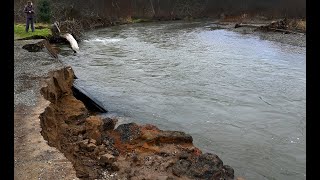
pixel 109 124
pixel 128 132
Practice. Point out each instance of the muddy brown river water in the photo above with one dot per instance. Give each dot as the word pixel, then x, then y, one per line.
pixel 239 96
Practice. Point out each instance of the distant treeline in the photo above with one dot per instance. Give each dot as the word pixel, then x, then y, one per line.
pixel 170 8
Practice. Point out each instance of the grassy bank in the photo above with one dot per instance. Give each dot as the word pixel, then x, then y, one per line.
pixel 40 30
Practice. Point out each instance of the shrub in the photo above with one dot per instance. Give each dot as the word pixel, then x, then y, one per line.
pixel 44 11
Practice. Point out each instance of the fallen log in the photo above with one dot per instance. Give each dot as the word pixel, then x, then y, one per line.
pixel 248 25
pixel 266 28
pixel 72 41
pixel 56 32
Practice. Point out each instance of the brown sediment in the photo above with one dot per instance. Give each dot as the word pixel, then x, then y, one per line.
pixel 98 150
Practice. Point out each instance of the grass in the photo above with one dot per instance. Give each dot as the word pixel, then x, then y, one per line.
pixel 141 20
pixel 20 32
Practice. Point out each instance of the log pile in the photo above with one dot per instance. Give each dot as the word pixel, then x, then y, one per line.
pixel 277 25
pixel 285 26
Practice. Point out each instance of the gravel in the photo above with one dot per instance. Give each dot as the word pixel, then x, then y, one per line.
pixel 29 69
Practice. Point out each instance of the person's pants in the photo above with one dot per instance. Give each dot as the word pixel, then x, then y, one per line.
pixel 29 21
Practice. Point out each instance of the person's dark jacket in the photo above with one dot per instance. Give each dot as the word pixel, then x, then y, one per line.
pixel 29 10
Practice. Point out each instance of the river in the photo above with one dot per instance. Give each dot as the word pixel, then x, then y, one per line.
pixel 240 97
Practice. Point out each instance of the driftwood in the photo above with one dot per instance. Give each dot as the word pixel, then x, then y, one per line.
pixel 278 26
pixel 51 51
pixel 72 41
pixel 247 25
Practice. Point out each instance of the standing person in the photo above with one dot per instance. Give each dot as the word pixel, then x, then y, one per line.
pixel 30 16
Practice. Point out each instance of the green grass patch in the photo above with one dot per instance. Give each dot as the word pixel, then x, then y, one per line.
pixel 40 30
pixel 141 20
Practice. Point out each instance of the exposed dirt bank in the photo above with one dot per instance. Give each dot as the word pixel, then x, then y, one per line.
pixel 98 150
pixel 92 147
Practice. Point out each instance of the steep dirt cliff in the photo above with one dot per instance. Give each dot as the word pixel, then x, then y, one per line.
pixel 100 150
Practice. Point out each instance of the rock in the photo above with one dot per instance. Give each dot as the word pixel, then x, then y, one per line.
pixel 150 127
pixel 107 159
pixel 228 171
pixel 96 135
pixel 93 123
pixel 196 151
pixel 90 147
pixel 184 155
pixel 115 166
pixel 93 141
pixel 76 149
pixel 162 177
pixel 108 124
pixel 80 137
pixel 173 137
pixel 128 132
pixel 135 158
pixel 181 167
pixel 92 126
pixel 148 135
pixel 206 166
pixel 84 143
pixel 102 147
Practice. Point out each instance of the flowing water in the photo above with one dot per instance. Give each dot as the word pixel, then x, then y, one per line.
pixel 240 97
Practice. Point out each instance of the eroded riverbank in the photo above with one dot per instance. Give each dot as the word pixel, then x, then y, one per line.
pixel 91 143
pixel 239 96
pixel 81 136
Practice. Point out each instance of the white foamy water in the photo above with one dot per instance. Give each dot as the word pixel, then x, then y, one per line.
pixel 103 40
